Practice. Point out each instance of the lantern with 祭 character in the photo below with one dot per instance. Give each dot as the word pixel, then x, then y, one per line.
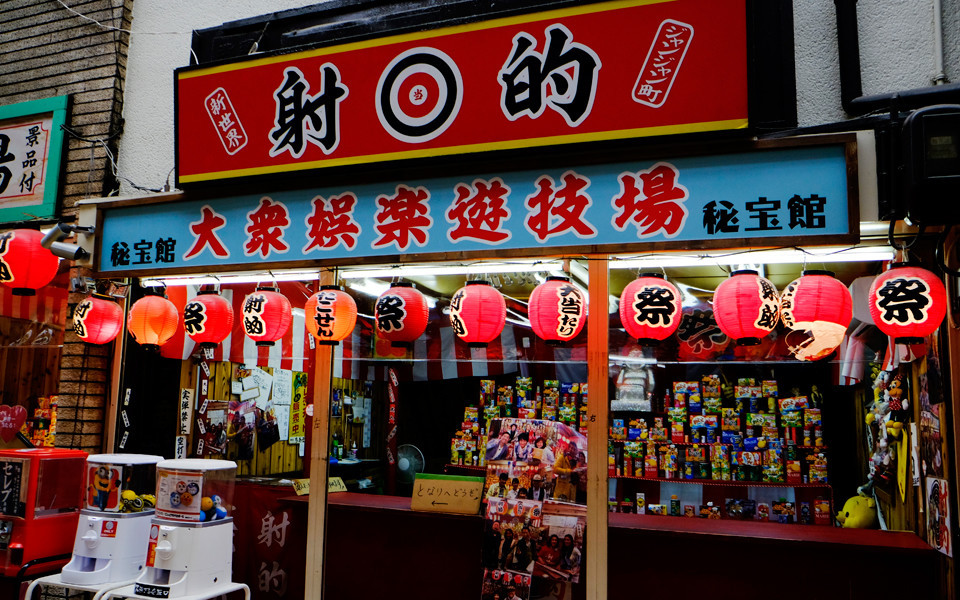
pixel 907 303
pixel 98 319
pixel 152 321
pixel 557 310
pixel 25 265
pixel 746 307
pixel 698 335
pixel 267 315
pixel 477 313
pixel 650 308
pixel 330 314
pixel 208 319
pixel 401 315
pixel 817 308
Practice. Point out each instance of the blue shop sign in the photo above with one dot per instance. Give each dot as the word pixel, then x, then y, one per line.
pixel 782 196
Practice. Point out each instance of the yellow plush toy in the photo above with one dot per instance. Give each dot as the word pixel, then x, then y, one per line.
pixel 859 512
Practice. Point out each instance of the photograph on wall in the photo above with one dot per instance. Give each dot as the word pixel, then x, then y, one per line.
pixel 547 458
pixel 503 585
pixel 511 533
pixel 559 553
pixel 931 457
pixel 938 515
pixel 241 421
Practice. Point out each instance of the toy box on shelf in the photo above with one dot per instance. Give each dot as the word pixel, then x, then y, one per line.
pixel 695 453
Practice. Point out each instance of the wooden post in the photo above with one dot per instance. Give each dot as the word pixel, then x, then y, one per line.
pixel 115 393
pixel 597 414
pixel 317 509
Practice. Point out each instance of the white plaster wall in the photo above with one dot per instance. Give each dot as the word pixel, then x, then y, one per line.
pixel 161 43
pixel 896 50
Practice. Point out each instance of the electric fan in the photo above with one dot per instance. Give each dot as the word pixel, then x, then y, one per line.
pixel 409 462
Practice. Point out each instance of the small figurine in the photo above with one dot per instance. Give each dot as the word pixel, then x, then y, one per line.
pixel 132 503
pixel 211 508
pixel 103 485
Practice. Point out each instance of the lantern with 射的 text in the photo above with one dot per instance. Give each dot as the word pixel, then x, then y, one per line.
pixel 97 319
pixel 557 310
pixel 152 321
pixel 817 308
pixel 477 313
pixel 208 319
pixel 650 308
pixel 266 315
pixel 25 265
pixel 330 314
pixel 401 315
pixel 907 303
pixel 746 307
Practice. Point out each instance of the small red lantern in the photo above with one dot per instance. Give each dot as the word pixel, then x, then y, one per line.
pixel 401 315
pixel 330 314
pixel 698 336
pixel 650 308
pixel 819 306
pixel 152 321
pixel 746 307
pixel 97 319
pixel 557 310
pixel 25 265
pixel 208 319
pixel 477 313
pixel 267 315
pixel 908 303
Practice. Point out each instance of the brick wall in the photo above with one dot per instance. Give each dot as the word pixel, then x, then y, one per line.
pixel 46 51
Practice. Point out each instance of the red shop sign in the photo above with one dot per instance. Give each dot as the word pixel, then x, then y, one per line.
pixel 598 72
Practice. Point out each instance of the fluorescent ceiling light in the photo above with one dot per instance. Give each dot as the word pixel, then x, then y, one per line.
pixel 821 254
pixel 227 279
pixel 470 269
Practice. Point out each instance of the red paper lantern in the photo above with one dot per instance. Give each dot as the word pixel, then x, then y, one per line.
pixel 699 337
pixel 97 319
pixel 477 313
pixel 401 315
pixel 208 319
pixel 25 265
pixel 330 314
pixel 650 308
pixel 152 321
pixel 907 303
pixel 267 315
pixel 746 307
pixel 557 310
pixel 819 306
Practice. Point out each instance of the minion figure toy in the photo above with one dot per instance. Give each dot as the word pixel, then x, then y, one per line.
pixel 104 483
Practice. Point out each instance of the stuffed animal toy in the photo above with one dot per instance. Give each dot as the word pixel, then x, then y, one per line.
pixel 858 512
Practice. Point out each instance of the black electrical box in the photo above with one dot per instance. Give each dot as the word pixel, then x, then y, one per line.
pixel 931 161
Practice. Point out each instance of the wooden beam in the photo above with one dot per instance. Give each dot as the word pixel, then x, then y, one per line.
pixel 597 414
pixel 319 435
pixel 113 395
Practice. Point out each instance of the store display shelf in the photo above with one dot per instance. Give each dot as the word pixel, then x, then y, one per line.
pixel 707 444
pixel 721 482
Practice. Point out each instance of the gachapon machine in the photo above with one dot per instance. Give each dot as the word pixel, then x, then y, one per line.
pixel 41 492
pixel 190 542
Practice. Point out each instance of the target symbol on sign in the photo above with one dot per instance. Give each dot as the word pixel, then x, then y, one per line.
pixel 419 95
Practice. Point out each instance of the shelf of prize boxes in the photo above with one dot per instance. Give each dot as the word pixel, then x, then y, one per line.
pixel 722 482
pixel 669 443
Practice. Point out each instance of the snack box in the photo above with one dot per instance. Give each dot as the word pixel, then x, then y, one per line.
pixel 697 421
pixel 711 406
pixel 677 434
pixel 763 511
pixel 657 509
pixel 793 471
pixel 488 386
pixel 746 381
pixel 527 413
pixel 793 418
pixel 761 420
pixel 729 419
pixel 677 415
pixel 641 503
pixel 711 386
pixel 741 508
pixel 549 413
pixel 747 391
pixel 822 512
pixel 769 387
pixel 686 387
pixel 811 417
pixel 694 404
pixel 794 403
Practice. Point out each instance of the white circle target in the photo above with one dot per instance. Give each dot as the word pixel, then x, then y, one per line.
pixel 436 66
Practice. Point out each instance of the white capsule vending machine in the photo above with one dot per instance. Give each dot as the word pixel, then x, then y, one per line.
pixel 190 542
pixel 110 546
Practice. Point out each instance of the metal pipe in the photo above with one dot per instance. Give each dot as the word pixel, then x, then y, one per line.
pixel 848 47
pixel 939 76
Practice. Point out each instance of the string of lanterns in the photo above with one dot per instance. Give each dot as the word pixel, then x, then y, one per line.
pixel 907 303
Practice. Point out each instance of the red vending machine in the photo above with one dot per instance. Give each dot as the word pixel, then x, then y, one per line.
pixel 41 492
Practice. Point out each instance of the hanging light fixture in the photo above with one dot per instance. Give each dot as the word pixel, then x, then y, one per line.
pixel 330 314
pixel 746 307
pixel 25 265
pixel 401 315
pixel 267 315
pixel 557 310
pixel 97 319
pixel 477 313
pixel 907 303
pixel 650 308
pixel 818 309
pixel 208 319
pixel 152 322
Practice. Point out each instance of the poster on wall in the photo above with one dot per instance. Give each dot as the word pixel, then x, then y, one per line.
pixel 938 515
